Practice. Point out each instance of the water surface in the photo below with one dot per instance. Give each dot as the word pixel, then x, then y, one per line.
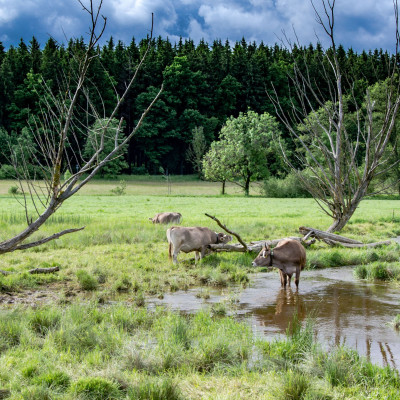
pixel 347 311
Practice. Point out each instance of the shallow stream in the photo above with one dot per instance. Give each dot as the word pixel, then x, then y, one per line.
pixel 347 310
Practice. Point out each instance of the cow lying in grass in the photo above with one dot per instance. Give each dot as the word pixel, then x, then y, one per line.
pixel 195 239
pixel 167 218
pixel 289 256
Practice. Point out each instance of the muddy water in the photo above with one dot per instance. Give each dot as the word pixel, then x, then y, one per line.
pixel 347 311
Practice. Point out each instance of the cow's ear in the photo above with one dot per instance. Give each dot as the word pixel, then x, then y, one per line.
pixel 266 246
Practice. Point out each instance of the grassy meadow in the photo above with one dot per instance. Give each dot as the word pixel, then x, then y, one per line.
pixel 90 336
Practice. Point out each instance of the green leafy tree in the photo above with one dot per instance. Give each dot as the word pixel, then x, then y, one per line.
pixel 197 149
pixel 248 150
pixel 215 166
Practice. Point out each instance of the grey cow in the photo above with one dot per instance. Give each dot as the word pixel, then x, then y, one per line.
pixel 167 218
pixel 195 239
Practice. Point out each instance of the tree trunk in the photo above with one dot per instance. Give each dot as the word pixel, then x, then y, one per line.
pixel 338 224
pixel 247 185
pixel 342 218
pixel 223 187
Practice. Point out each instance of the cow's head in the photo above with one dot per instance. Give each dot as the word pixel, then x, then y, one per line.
pixel 153 220
pixel 222 238
pixel 263 258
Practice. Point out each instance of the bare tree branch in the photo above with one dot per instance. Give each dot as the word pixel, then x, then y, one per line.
pixel 240 240
pixel 341 152
pixel 56 137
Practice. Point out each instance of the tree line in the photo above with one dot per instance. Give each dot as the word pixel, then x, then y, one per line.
pixel 204 86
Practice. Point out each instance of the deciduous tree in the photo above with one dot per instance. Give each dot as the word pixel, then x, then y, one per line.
pixel 247 150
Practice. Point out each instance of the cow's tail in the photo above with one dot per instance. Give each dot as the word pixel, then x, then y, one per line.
pixel 170 250
pixel 303 264
pixel 169 243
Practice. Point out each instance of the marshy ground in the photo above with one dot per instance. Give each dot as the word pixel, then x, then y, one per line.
pixel 91 331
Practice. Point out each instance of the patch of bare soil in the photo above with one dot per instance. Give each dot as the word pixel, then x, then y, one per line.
pixel 52 293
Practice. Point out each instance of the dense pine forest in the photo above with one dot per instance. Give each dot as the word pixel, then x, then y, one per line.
pixel 204 85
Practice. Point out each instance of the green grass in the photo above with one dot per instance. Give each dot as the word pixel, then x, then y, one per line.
pixel 77 347
pixel 382 271
pixel 121 352
pixel 119 251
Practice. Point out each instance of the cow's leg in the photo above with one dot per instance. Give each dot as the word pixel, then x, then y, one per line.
pixel 282 278
pixel 197 256
pixel 289 279
pixel 297 279
pixel 203 251
pixel 175 256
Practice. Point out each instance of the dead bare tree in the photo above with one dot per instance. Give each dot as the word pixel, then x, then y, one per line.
pixel 341 160
pixel 56 132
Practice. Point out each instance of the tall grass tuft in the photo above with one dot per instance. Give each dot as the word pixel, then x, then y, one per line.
pixel 299 342
pixel 11 329
pixel 95 388
pixel 378 271
pixel 86 281
pixel 54 379
pixel 295 386
pixel 42 320
pixel 162 388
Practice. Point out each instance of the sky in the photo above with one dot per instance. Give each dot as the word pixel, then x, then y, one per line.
pixel 360 24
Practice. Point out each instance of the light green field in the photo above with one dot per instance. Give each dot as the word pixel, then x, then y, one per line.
pixel 119 239
pixel 89 336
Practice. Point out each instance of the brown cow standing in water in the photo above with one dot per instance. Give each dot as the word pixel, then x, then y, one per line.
pixel 189 239
pixel 167 218
pixel 288 256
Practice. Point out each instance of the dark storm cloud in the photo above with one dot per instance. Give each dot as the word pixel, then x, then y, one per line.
pixel 360 24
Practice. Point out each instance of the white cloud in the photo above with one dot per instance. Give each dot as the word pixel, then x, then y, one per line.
pixel 196 32
pixel 127 12
pixel 60 25
pixel 267 20
pixel 10 10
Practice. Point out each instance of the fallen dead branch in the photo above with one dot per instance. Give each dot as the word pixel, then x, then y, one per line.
pixel 356 245
pixel 309 238
pixel 255 246
pixel 240 240
pixel 44 270
pixel 322 235
pixel 35 271
pixel 333 239
pixel 5 272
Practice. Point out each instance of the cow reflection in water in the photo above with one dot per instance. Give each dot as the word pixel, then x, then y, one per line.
pixel 286 300
pixel 280 312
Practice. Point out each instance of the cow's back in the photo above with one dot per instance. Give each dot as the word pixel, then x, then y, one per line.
pixel 190 238
pixel 293 251
pixel 168 218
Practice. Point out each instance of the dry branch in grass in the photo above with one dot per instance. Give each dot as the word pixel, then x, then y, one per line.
pixel 241 241
pixel 333 239
pixel 315 234
pixel 44 270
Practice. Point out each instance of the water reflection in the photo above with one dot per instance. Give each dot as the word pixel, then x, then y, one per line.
pixel 346 311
